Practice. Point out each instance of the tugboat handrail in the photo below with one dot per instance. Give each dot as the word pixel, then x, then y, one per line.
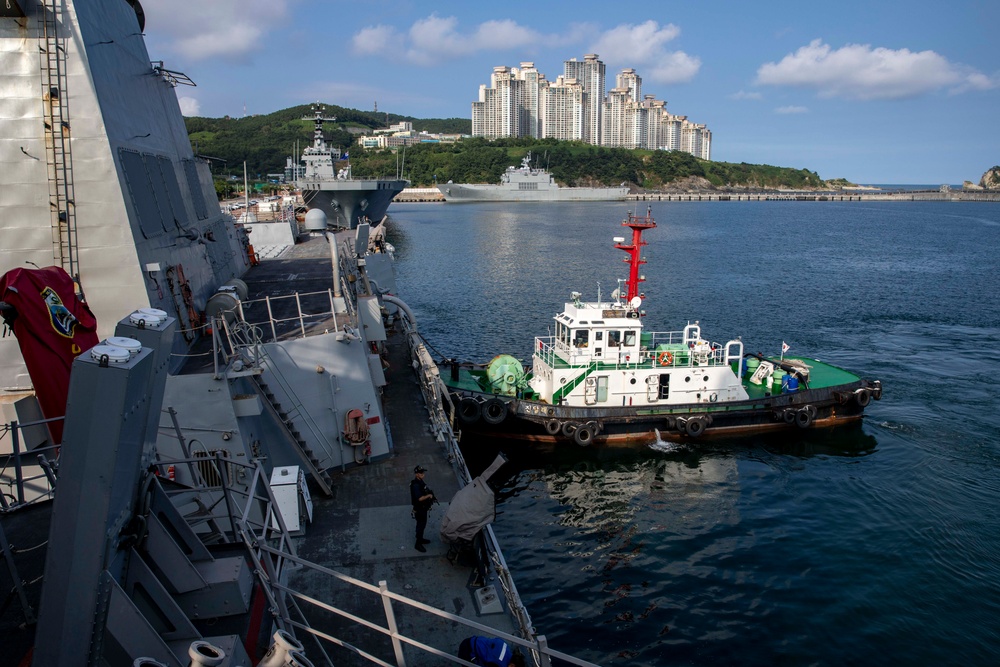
pixel 550 351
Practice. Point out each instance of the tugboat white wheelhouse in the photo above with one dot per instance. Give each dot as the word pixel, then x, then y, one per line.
pixel 603 379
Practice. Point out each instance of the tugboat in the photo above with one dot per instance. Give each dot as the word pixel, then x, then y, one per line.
pixel 602 379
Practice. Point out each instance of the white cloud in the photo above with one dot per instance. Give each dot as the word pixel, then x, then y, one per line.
pixel 643 47
pixel 743 95
pixel 200 29
pixel 791 109
pixel 431 40
pixel 189 106
pixel 375 39
pixel 858 71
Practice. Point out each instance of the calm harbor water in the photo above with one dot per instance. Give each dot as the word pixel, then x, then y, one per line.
pixel 873 545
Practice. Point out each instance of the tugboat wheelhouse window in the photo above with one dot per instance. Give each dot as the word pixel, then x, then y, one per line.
pixel 630 338
pixel 581 338
pixel 614 338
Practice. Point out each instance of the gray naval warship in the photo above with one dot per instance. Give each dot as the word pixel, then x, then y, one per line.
pixel 326 183
pixel 225 488
pixel 529 184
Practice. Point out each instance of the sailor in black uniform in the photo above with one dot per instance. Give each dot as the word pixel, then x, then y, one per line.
pixel 421 497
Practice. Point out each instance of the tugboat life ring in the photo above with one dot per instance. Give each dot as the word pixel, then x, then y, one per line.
pixel 666 358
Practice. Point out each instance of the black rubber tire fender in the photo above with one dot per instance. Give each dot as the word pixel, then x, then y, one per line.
pixel 494 411
pixel 553 426
pixel 568 429
pixel 804 418
pixel 863 397
pixel 695 426
pixel 469 410
pixel 789 415
pixel 584 435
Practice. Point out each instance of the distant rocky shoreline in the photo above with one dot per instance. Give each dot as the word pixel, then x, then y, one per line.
pixel 989 181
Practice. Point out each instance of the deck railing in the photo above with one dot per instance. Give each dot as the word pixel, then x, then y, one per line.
pixel 442 415
pixel 243 512
pixel 649 354
pixel 26 476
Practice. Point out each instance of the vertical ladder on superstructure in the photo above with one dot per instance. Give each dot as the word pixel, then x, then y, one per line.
pixel 55 115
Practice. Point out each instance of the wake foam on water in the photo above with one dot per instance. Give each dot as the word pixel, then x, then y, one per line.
pixel 664 446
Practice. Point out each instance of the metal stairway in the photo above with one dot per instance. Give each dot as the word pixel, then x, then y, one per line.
pixel 58 147
pixel 308 457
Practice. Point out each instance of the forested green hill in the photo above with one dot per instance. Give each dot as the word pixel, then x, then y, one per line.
pixel 265 141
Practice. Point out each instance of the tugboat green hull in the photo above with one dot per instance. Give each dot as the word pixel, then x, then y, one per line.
pixel 601 378
pixel 768 409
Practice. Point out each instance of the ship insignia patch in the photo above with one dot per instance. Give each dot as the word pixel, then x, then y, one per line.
pixel 62 320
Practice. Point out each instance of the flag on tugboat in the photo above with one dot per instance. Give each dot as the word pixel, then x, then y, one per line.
pixel 784 348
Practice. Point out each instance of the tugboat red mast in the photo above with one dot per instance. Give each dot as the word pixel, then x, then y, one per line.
pixel 638 226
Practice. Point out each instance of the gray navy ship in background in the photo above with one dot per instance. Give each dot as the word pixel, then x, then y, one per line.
pixel 527 184
pixel 327 184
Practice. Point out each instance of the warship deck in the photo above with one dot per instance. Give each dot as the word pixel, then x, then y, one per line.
pixel 365 530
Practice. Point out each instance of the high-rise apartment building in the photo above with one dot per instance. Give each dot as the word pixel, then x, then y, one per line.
pixel 696 139
pixel 614 114
pixel 533 87
pixel 565 110
pixel 670 129
pixel 632 81
pixel 655 110
pixel 521 102
pixel 590 74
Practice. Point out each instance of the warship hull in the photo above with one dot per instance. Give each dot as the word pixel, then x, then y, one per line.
pixel 461 193
pixel 347 203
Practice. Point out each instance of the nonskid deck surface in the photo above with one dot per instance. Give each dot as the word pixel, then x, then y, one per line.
pixel 821 375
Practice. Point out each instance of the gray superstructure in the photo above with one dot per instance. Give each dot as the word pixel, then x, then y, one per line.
pixel 97 174
pixel 346 201
pixel 526 184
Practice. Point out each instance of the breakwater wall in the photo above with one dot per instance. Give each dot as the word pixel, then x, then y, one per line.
pixel 433 195
pixel 916 195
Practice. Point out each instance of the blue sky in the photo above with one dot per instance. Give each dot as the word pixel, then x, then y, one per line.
pixel 876 92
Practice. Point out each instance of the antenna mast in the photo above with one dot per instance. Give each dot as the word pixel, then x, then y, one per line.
pixel 638 226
